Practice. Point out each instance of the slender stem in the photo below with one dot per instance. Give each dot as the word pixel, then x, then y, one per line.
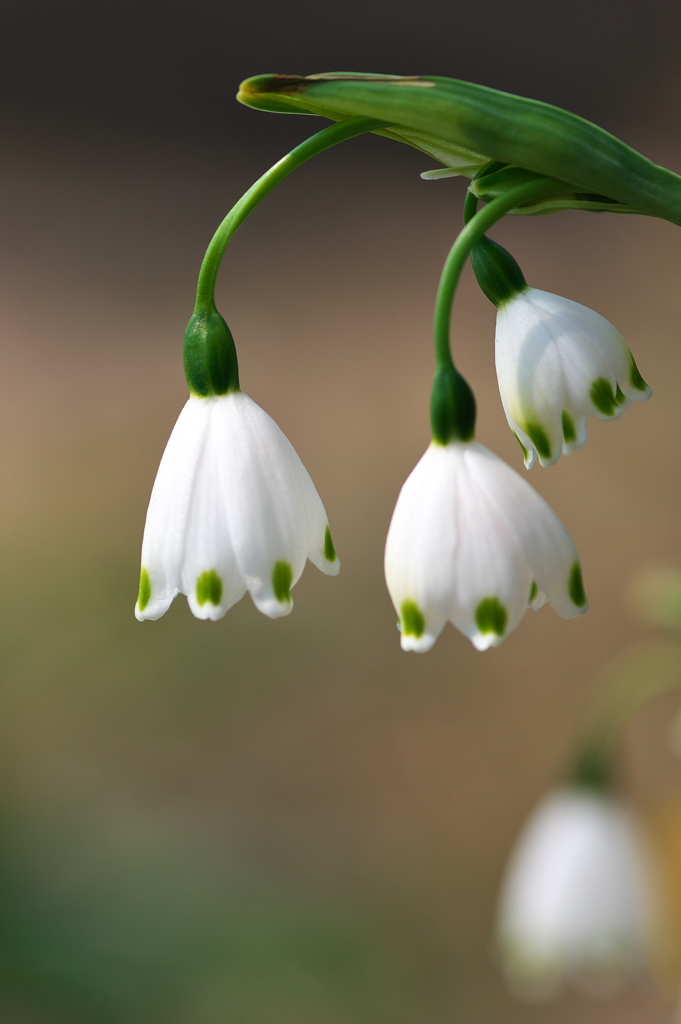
pixel 458 254
pixel 330 136
pixel 470 206
pixel 629 682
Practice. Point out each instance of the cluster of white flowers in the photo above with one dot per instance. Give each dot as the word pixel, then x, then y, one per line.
pixel 233 508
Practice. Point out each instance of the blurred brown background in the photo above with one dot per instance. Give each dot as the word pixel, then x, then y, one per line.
pixel 292 822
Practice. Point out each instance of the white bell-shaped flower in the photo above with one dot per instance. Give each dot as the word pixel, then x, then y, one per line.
pixel 580 896
pixel 557 363
pixel 472 542
pixel 232 509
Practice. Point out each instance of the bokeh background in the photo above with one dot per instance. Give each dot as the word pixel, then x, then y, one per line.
pixel 292 822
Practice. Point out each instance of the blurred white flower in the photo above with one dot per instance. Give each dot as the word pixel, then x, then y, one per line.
pixel 579 899
pixel 471 542
pixel 232 509
pixel 557 363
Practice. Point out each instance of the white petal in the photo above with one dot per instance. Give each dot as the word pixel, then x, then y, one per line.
pixel 274 515
pixel 589 348
pixel 420 548
pixel 545 542
pixel 529 372
pixel 594 328
pixel 166 523
pixel 491 577
pixel 210 576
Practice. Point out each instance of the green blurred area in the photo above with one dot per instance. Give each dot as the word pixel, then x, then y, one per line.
pixel 287 821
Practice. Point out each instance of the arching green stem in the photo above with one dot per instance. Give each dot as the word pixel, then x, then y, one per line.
pixel 458 254
pixel 330 136
pixel 470 206
pixel 626 684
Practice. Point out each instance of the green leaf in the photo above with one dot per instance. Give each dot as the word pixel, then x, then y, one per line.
pixel 463 126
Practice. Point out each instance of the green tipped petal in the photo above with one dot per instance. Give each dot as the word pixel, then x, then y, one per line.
pixel 576 586
pixel 603 397
pixel 144 596
pixel 539 439
pixel 282 580
pixel 209 588
pixel 635 378
pixel 412 620
pixel 569 431
pixel 491 616
pixel 329 549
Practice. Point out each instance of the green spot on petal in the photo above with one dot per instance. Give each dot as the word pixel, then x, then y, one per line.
pixel 209 588
pixel 576 586
pixel 144 595
pixel 412 620
pixel 329 549
pixel 539 439
pixel 620 397
pixel 491 616
pixel 534 590
pixel 526 454
pixel 569 432
pixel 603 397
pixel 282 579
pixel 635 378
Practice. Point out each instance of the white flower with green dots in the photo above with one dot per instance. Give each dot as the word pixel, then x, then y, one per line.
pixel 557 361
pixel 472 542
pixel 233 509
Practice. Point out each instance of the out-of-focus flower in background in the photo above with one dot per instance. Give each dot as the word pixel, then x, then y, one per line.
pixel 557 363
pixel 580 899
pixel 471 542
pixel 232 509
pixel 654 594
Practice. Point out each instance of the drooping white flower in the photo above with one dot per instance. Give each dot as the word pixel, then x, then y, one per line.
pixel 557 363
pixel 472 542
pixel 580 896
pixel 232 509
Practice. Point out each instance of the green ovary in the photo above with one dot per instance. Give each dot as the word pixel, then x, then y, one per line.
pixel 412 620
pixel 209 588
pixel 534 590
pixel 145 590
pixel 491 616
pixel 282 580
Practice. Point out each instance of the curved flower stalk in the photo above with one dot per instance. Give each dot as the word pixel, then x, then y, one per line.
pixel 557 363
pixel 471 542
pixel 232 509
pixel 580 898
